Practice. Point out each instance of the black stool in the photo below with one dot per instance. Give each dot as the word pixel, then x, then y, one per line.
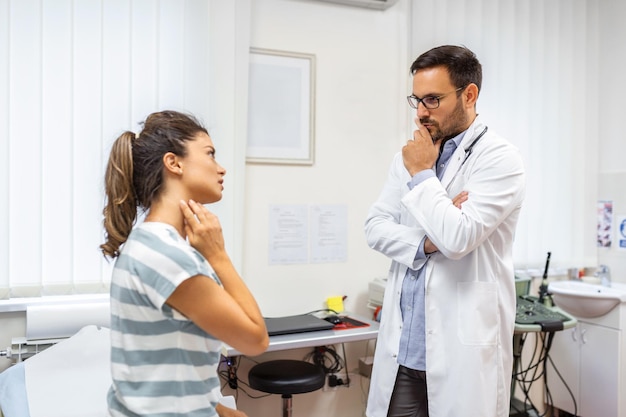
pixel 286 377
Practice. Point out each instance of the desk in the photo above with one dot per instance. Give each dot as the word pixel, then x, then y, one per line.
pixel 319 338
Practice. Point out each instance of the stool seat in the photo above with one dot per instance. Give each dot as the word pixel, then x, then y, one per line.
pixel 286 376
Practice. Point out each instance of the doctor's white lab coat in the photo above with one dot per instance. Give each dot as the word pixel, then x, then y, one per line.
pixel 470 286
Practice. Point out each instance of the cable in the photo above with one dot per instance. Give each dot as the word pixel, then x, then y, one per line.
pixel 365 385
pixel 325 310
pixel 564 384
pixel 331 363
pixel 326 358
pixel 230 378
pixel 345 361
pixel 534 372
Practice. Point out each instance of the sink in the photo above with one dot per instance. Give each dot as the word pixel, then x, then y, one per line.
pixel 585 300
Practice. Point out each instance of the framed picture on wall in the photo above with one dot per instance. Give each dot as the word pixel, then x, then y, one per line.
pixel 281 107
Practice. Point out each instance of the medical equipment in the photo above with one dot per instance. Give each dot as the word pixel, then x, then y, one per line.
pixel 543 288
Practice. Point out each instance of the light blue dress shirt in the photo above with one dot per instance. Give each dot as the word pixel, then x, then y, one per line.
pixel 412 352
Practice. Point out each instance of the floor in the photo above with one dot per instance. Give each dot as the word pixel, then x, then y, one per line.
pixel 518 409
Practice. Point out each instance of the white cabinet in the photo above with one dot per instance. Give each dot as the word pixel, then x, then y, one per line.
pixel 589 357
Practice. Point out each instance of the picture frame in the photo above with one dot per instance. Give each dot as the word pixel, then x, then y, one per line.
pixel 281 108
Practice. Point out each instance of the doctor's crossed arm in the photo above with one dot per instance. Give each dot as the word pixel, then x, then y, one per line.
pixel 457 201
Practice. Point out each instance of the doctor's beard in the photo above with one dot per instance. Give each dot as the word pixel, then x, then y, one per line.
pixel 451 126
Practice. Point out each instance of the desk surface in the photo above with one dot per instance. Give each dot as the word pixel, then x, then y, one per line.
pixel 319 338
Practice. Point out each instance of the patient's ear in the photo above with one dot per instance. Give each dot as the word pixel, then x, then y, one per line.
pixel 172 163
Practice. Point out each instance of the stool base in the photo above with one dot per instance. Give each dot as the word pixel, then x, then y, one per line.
pixel 286 405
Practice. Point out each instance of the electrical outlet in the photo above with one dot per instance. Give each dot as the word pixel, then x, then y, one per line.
pixel 339 380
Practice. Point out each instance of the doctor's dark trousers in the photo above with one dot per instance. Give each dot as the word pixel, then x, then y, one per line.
pixel 409 397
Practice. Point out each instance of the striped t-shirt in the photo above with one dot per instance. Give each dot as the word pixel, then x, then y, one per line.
pixel 161 362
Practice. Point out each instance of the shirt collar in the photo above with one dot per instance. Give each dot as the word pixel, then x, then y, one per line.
pixel 449 147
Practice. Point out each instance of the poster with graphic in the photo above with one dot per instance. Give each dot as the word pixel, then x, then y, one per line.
pixel 621 232
pixel 605 221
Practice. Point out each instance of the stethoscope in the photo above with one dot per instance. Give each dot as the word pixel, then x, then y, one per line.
pixel 468 152
pixel 470 148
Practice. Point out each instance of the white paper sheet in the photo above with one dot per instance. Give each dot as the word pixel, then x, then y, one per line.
pixel 13 402
pixel 329 233
pixel 72 377
pixel 288 240
pixel 229 401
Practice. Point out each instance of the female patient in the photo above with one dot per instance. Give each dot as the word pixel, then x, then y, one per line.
pixel 175 295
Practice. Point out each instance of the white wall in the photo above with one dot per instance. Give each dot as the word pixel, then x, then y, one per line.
pixel 612 149
pixel 361 113
pixel 612 88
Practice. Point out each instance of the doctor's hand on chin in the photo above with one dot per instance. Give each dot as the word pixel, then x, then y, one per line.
pixel 420 153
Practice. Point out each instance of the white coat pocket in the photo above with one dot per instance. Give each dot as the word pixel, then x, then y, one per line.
pixel 478 312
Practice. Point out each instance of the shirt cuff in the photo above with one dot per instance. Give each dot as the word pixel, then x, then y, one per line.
pixel 421 254
pixel 420 177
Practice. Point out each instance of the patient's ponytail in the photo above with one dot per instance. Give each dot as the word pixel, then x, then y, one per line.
pixel 120 211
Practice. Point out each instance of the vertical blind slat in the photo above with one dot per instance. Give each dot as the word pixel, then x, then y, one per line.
pixel 25 154
pixel 56 146
pixel 116 72
pixel 5 26
pixel 143 58
pixel 196 57
pixel 86 176
pixel 170 59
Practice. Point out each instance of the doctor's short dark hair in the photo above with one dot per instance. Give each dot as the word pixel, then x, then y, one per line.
pixel 462 64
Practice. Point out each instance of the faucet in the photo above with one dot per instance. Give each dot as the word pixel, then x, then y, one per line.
pixel 604 274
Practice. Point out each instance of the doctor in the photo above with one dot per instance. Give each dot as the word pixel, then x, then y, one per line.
pixel 446 217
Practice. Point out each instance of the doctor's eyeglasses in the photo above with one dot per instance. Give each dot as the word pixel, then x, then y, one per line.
pixel 430 102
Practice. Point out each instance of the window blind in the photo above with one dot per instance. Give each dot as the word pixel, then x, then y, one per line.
pixel 540 83
pixel 74 76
